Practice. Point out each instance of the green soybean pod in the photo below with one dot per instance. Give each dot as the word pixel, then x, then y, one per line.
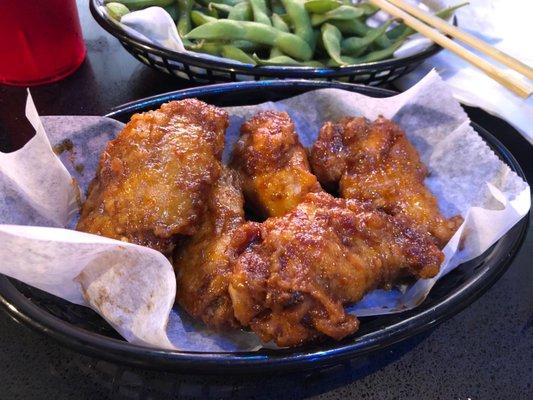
pixel 352 27
pixel 140 4
pixel 204 46
pixel 321 6
pixel 116 10
pixel 341 13
pixel 313 63
pixel 383 42
pixel 373 56
pixel 224 8
pixel 198 18
pixel 212 12
pixel 246 45
pixel 331 38
pixel 286 60
pixel 224 29
pixel 215 47
pixel 382 54
pixel 237 54
pixel 260 11
pixel 260 5
pixel 275 52
pixel 241 12
pixel 184 19
pixel 278 23
pixel 368 9
pixel 355 46
pixel 286 18
pixel 230 2
pixel 300 20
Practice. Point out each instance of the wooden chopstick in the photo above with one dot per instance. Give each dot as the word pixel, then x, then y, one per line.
pixel 465 37
pixel 513 84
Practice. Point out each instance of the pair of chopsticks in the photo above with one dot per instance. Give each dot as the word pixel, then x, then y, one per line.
pixel 413 16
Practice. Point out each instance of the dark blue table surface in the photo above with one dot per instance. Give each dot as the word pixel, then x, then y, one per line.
pixel 485 352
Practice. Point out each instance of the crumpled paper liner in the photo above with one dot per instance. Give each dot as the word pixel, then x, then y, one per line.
pixel 133 287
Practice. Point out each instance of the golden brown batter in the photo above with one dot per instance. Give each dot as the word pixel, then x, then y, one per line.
pixel 153 179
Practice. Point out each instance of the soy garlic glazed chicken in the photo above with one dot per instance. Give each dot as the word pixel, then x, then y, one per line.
pixel 161 183
pixel 375 163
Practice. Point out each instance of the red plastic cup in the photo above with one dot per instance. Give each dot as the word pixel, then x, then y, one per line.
pixel 40 41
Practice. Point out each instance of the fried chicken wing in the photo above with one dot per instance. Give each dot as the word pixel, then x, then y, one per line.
pixel 152 180
pixel 273 164
pixel 202 263
pixel 293 274
pixel 376 164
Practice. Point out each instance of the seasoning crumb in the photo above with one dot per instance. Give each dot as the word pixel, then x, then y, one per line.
pixel 64 145
pixel 79 168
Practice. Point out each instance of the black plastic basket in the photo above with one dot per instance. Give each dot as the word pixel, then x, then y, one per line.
pixel 200 69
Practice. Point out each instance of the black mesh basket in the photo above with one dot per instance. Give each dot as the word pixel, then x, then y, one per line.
pixel 200 69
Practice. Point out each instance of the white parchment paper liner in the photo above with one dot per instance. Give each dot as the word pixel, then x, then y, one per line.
pixel 133 287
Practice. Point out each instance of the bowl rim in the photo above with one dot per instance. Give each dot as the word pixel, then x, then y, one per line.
pixel 263 70
pixel 120 351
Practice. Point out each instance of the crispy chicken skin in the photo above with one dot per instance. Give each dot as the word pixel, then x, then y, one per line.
pixel 202 263
pixel 273 164
pixel 152 180
pixel 293 274
pixel 376 164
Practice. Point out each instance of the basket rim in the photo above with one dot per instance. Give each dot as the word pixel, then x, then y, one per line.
pixel 262 70
pixel 494 264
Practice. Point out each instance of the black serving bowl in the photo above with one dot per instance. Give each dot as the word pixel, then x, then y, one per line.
pixel 83 330
pixel 197 68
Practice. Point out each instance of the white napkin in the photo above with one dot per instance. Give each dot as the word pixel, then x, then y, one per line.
pixel 505 24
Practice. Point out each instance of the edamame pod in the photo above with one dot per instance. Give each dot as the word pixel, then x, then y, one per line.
pixel 140 4
pixel 198 18
pixel 246 45
pixel 204 46
pixel 300 20
pixel 352 27
pixel 220 7
pixel 278 23
pixel 230 2
pixel 116 10
pixel 286 60
pixel 223 29
pixel 260 12
pixel 331 38
pixel 321 6
pixel 341 13
pixel 184 19
pixel 241 12
pixel 355 46
pixel 368 9
pixel 373 56
pixel 237 54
